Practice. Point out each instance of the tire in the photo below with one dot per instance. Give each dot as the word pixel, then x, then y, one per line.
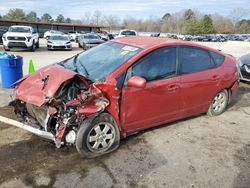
pixel 6 49
pixel 92 141
pixel 37 44
pixel 33 47
pixel 219 103
pixel 79 45
pixel 84 47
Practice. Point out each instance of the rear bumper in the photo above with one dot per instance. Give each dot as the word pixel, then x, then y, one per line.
pixel 234 89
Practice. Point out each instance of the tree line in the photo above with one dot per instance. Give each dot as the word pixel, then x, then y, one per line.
pixel 184 22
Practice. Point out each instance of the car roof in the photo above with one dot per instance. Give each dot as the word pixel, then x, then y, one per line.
pixel 146 42
pixel 21 26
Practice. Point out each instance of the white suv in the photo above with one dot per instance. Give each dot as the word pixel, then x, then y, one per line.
pixel 20 37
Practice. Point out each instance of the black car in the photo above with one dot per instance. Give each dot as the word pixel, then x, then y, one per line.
pixel 244 67
pixel 2 31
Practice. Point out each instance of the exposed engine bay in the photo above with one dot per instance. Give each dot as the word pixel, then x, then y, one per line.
pixel 62 114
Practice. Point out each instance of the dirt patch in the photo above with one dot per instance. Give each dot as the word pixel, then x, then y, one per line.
pixel 242 161
pixel 8 112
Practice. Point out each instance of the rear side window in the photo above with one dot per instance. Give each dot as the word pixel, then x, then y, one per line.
pixel 218 59
pixel 194 60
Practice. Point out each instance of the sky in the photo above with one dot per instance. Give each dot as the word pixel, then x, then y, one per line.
pixel 134 8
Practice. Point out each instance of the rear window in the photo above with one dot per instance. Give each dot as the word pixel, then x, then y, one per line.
pixel 194 60
pixel 128 33
pixel 218 59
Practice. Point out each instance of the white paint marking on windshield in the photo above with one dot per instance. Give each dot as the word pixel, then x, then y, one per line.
pixel 130 48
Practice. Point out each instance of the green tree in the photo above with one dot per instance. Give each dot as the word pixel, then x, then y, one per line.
pixel 243 26
pixel 166 16
pixel 16 14
pixel 32 17
pixel 193 27
pixel 189 15
pixel 47 18
pixel 207 26
pixel 60 19
pixel 68 20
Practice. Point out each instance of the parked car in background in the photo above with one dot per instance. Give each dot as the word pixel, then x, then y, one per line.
pixel 74 35
pixel 121 87
pixel 244 67
pixel 2 31
pixel 59 42
pixel 89 40
pixel 20 37
pixel 47 34
pixel 126 33
pixel 106 36
pixel 155 34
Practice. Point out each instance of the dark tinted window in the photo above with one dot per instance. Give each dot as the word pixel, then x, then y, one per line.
pixel 156 65
pixel 218 59
pixel 194 60
pixel 128 33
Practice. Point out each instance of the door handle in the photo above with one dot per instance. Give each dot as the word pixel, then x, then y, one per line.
pixel 173 88
pixel 215 78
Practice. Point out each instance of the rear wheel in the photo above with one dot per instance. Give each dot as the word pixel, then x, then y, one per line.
pixel 98 136
pixel 219 103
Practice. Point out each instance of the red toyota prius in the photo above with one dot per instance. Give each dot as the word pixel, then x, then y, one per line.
pixel 99 96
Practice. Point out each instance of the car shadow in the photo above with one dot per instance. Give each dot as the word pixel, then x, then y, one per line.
pixel 242 99
pixel 134 159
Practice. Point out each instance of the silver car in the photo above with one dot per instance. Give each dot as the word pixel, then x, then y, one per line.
pixel 244 67
pixel 89 40
pixel 59 42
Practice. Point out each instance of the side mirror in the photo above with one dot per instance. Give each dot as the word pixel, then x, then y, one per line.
pixel 136 81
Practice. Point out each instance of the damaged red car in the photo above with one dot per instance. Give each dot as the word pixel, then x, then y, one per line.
pixel 121 87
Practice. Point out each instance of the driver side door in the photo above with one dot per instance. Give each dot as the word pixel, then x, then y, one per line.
pixel 159 101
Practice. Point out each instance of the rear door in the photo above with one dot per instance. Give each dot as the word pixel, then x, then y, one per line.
pixel 199 80
pixel 159 101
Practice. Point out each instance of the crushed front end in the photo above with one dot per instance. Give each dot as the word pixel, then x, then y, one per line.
pixel 56 108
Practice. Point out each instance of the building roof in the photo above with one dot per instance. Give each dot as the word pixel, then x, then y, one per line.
pixel 59 24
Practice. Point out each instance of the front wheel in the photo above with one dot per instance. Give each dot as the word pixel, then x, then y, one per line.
pixel 219 103
pixel 6 49
pixel 98 136
pixel 33 47
pixel 37 44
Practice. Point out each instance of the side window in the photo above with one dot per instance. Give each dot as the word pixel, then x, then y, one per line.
pixel 156 65
pixel 218 59
pixel 194 60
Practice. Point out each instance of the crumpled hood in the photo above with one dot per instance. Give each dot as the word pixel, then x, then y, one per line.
pixel 39 87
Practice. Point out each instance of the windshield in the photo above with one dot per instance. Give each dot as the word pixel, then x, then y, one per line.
pixel 90 37
pixel 59 37
pixel 100 61
pixel 20 29
pixel 128 33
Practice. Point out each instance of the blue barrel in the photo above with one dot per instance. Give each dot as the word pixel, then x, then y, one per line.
pixel 11 68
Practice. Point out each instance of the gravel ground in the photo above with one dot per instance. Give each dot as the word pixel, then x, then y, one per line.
pixel 196 152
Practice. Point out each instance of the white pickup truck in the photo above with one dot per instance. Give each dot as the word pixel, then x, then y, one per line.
pixel 20 37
